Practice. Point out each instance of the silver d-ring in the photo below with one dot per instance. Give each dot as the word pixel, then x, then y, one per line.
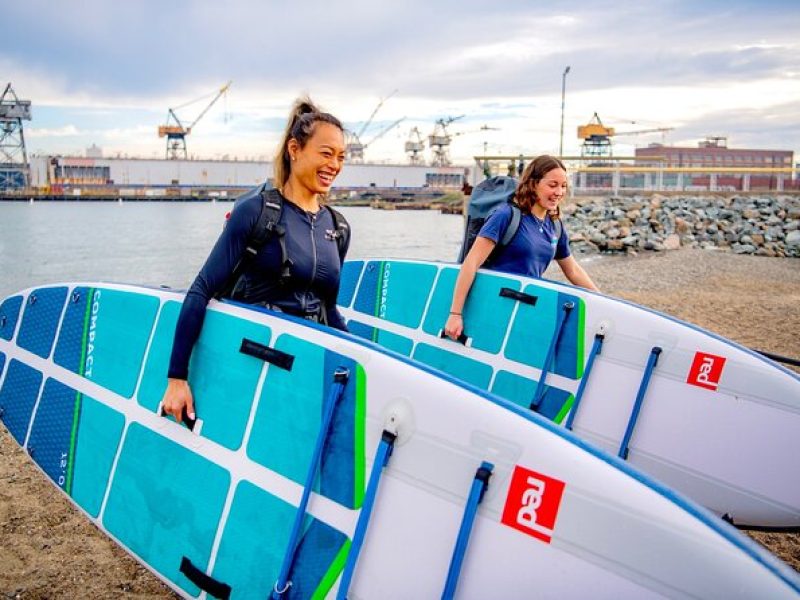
pixel 284 590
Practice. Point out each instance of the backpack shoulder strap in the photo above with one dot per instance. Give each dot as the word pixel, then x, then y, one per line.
pixel 513 225
pixel 341 231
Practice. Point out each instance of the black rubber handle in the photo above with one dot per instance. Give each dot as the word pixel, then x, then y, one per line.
pixel 461 339
pixel 205 582
pixel 518 296
pixel 190 423
pixel 265 353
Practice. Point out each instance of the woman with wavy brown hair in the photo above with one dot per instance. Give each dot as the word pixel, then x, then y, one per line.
pixel 536 243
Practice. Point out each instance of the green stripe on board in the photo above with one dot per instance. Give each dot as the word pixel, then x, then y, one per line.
pixel 565 408
pixel 359 455
pixel 378 289
pixel 581 336
pixel 333 572
pixel 73 438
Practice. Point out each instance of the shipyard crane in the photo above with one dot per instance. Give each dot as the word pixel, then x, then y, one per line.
pixel 415 146
pixel 14 166
pixel 439 141
pixel 354 148
pixel 597 137
pixel 176 133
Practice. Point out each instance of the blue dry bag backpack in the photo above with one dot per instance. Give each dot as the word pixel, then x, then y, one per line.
pixel 487 196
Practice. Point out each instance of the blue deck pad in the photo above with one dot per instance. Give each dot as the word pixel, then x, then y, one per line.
pixel 165 503
pixel 455 364
pixel 18 397
pixel 387 339
pixel 74 440
pixel 70 346
pixel 223 380
pixel 289 417
pixel 119 326
pixel 9 313
pixel 40 320
pixel 555 403
pixel 486 314
pixel 254 541
pixel 394 291
pixel 351 271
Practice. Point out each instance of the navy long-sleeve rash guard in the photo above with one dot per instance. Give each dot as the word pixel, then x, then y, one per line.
pixel 311 289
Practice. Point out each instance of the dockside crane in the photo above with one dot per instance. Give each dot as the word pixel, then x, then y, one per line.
pixel 354 147
pixel 14 166
pixel 439 141
pixel 415 146
pixel 176 133
pixel 597 137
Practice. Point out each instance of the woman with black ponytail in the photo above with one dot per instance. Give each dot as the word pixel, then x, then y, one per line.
pixel 295 266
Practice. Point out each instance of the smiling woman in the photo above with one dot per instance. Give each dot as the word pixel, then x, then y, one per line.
pixel 281 248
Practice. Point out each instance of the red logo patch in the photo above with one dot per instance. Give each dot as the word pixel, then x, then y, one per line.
pixel 706 370
pixel 532 503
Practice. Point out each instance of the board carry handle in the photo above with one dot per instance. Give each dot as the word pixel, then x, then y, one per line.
pixel 267 354
pixel 382 456
pixel 597 347
pixel 340 378
pixel 208 584
pixel 185 419
pixel 566 308
pixel 479 486
pixel 462 339
pixel 778 358
pixel 518 296
pixel 652 361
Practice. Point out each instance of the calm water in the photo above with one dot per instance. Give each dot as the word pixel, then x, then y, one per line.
pixel 166 244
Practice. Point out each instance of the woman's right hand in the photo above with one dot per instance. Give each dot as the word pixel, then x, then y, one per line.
pixel 177 398
pixel 454 326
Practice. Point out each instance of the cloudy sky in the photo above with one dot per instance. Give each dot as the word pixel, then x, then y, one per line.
pixel 106 73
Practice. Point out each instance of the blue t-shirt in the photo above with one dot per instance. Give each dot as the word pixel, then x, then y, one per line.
pixel 532 248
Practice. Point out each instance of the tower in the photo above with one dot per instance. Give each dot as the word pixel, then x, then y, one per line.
pixel 14 167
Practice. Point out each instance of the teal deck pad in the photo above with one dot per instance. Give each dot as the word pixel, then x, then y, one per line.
pixel 98 435
pixel 289 416
pixel 569 355
pixel 391 290
pixel 9 313
pixel 319 560
pixel 40 320
pixel 165 503
pixel 555 403
pixel 254 541
pixel 486 313
pixel 71 345
pixel 223 380
pixel 387 339
pixel 351 271
pixel 455 364
pixel 18 397
pixel 119 326
pixel 533 328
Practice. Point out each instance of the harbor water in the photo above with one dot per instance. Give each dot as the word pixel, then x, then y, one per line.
pixel 162 243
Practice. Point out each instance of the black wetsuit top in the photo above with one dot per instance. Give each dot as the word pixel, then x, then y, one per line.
pixel 310 292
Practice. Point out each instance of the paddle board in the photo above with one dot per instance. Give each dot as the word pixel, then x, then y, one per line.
pixel 322 465
pixel 706 416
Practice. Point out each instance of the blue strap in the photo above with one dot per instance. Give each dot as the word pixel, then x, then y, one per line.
pixel 551 352
pixel 334 395
pixel 648 371
pixel 382 456
pixel 479 486
pixel 596 348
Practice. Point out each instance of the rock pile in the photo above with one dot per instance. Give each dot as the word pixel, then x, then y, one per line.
pixel 764 226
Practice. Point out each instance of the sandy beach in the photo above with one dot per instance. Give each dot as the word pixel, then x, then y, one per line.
pixel 50 550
